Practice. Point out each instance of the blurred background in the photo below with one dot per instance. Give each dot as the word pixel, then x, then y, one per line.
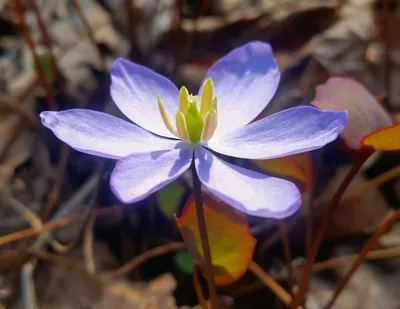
pixel 57 54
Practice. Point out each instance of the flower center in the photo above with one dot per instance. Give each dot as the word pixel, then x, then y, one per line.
pixel 192 124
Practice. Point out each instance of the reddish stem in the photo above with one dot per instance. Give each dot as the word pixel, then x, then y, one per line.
pixel 197 287
pixel 363 254
pixel 201 221
pixel 85 22
pixel 326 218
pixel 42 76
pixel 288 254
pixel 47 41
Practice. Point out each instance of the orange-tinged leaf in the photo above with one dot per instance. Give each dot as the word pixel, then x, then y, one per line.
pixel 284 167
pixel 297 167
pixel 231 243
pixel 381 98
pixel 305 163
pixel 386 139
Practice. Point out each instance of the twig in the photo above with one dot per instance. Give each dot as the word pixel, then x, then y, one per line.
pixel 197 287
pixel 364 252
pixel 274 286
pixel 140 259
pixel 372 255
pixel 379 254
pixel 272 239
pixel 53 258
pixel 9 140
pixel 387 50
pixel 75 201
pixel 288 255
pixel 132 20
pixel 50 226
pixel 42 76
pixel 88 256
pixel 309 222
pixel 30 265
pixel 28 287
pixel 47 41
pixel 20 208
pixel 373 183
pixel 88 28
pixel 11 103
pixel 46 227
pixel 188 40
pixel 326 217
pixel 201 222
pixel 24 94
pixel 54 194
pixel 63 248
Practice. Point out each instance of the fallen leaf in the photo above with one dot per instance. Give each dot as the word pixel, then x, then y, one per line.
pixel 386 139
pixel 366 115
pixel 231 243
pixel 356 215
pixel 296 167
pixel 169 198
pixel 305 163
pixel 184 261
pixel 285 167
pixel 158 293
pixel 370 287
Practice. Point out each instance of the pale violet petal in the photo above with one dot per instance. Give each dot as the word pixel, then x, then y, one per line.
pixel 139 175
pixel 291 131
pixel 101 134
pixel 245 80
pixel 247 191
pixel 134 89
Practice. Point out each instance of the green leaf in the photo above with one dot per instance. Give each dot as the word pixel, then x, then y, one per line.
pixel 46 65
pixel 184 262
pixel 169 198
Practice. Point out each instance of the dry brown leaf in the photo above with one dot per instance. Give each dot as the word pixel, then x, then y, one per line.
pixel 357 215
pixel 158 294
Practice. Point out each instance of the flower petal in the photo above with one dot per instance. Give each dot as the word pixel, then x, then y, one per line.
pixel 247 191
pixel 101 134
pixel 245 80
pixel 139 175
pixel 134 90
pixel 288 132
pixel 365 113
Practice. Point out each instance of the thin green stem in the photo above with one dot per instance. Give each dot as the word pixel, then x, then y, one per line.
pixel 326 218
pixel 201 221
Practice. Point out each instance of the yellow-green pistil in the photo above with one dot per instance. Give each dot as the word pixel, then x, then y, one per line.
pixel 190 123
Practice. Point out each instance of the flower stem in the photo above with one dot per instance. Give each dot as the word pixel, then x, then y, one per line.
pixel 201 221
pixel 197 287
pixel 326 218
pixel 283 230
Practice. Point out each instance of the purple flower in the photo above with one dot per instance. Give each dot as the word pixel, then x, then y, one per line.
pixel 157 151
